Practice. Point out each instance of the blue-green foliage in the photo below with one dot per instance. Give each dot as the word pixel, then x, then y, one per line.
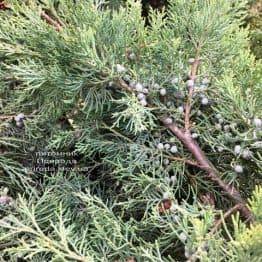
pixel 68 85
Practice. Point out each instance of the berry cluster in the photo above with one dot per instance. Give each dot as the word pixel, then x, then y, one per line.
pixel 167 147
pixel 19 120
pixel 244 153
pixel 201 89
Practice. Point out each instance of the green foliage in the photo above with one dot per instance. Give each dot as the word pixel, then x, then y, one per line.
pixel 123 196
pixel 136 117
pixel 253 20
pixel 248 241
pixel 255 203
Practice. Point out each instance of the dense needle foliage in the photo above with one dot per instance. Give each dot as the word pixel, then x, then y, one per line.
pixel 90 171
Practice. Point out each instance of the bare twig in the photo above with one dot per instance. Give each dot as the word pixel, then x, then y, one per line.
pixel 225 216
pixel 3 5
pixel 51 21
pixel 7 117
pixel 57 18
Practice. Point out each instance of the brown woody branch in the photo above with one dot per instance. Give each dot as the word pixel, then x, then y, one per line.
pixel 225 216
pixel 3 5
pixel 7 117
pixel 51 21
pixel 202 160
